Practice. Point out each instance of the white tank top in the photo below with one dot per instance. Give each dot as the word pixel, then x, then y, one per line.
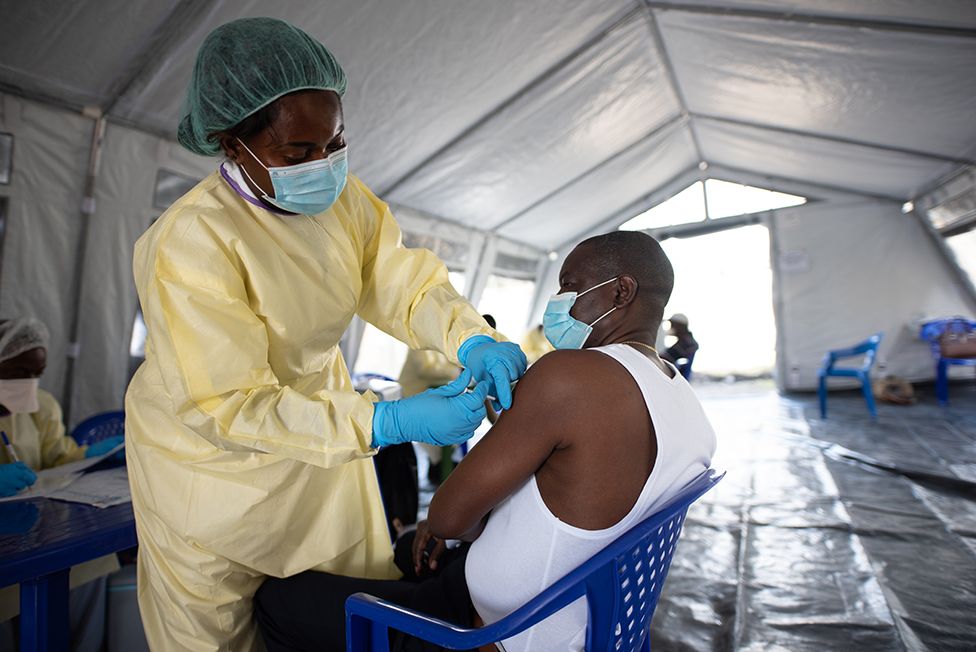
pixel 525 548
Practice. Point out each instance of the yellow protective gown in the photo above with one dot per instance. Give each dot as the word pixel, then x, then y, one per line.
pixel 535 345
pixel 248 448
pixel 39 441
pixel 39 437
pixel 421 371
pixel 425 369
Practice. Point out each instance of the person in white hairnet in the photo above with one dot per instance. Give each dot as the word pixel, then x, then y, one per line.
pixel 248 448
pixel 30 419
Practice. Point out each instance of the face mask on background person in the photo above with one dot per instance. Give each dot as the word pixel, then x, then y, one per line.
pixel 19 395
pixel 560 328
pixel 307 188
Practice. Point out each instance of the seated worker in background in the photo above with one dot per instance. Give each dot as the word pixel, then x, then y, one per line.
pixel 31 420
pixel 423 370
pixel 596 440
pixel 682 352
pixel 535 345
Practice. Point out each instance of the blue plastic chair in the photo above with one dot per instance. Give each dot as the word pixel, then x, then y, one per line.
pixel 99 427
pixel 869 349
pixel 622 584
pixel 683 366
pixel 932 332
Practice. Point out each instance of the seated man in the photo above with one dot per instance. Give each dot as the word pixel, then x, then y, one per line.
pixel 596 440
pixel 682 352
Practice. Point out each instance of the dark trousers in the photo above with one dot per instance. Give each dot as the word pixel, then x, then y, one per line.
pixel 396 471
pixel 306 612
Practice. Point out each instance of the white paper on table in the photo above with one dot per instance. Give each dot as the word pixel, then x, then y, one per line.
pixel 73 468
pixel 58 477
pixel 42 487
pixel 98 488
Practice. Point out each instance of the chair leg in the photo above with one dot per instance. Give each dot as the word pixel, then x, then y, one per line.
pixel 646 645
pixel 869 395
pixel 942 382
pixel 822 393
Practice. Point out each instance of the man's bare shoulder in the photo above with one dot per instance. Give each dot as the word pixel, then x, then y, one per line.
pixel 564 375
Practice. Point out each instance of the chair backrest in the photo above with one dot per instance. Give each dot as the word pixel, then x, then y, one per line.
pixel 932 331
pixel 624 586
pixel 684 368
pixel 868 348
pixel 871 349
pixel 99 427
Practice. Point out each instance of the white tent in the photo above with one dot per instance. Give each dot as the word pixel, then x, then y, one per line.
pixel 504 132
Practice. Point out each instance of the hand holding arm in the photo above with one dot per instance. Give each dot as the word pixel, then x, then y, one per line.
pixel 498 363
pixel 441 416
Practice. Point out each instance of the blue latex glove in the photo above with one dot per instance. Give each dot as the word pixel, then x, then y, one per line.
pixel 14 477
pixel 441 416
pixel 498 363
pixel 105 445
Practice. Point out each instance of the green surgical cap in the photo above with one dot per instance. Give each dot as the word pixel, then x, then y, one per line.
pixel 245 65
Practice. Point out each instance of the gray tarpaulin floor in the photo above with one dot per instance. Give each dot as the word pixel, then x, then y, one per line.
pixel 835 534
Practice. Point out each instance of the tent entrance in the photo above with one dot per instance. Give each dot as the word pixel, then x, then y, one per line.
pixel 724 284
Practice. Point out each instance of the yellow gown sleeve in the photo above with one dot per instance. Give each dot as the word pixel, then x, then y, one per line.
pixel 212 350
pixel 56 447
pixel 435 368
pixel 406 292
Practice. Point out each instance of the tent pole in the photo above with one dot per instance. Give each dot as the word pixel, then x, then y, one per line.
pixel 666 191
pixel 779 316
pixel 661 50
pixel 792 16
pixel 835 139
pixel 949 258
pixel 86 212
pixel 761 176
pixel 661 131
pixel 518 95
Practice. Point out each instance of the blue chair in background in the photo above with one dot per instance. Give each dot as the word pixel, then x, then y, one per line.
pixel 683 366
pixel 869 349
pixel 934 332
pixel 98 427
pixel 622 584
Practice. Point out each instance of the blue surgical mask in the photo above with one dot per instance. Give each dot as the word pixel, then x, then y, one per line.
pixel 307 188
pixel 560 328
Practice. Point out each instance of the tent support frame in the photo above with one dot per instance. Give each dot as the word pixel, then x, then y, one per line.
pixel 77 287
pixel 665 128
pixel 818 19
pixel 590 43
pixel 949 258
pixel 661 50
pixel 834 139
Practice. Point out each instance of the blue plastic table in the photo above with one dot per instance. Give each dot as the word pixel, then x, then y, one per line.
pixel 54 537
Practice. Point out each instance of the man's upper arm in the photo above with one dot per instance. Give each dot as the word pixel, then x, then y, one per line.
pixel 517 445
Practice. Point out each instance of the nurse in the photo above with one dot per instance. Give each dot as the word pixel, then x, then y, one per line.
pixel 248 449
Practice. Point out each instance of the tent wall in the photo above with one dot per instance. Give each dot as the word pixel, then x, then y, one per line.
pixel 845 270
pixel 50 156
pixel 50 161
pixel 124 209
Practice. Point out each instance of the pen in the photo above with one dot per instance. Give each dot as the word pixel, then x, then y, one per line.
pixel 10 449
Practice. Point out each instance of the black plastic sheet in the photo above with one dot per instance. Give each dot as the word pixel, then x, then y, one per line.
pixel 837 534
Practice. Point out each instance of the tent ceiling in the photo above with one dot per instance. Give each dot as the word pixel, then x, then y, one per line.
pixel 541 119
pixel 823 79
